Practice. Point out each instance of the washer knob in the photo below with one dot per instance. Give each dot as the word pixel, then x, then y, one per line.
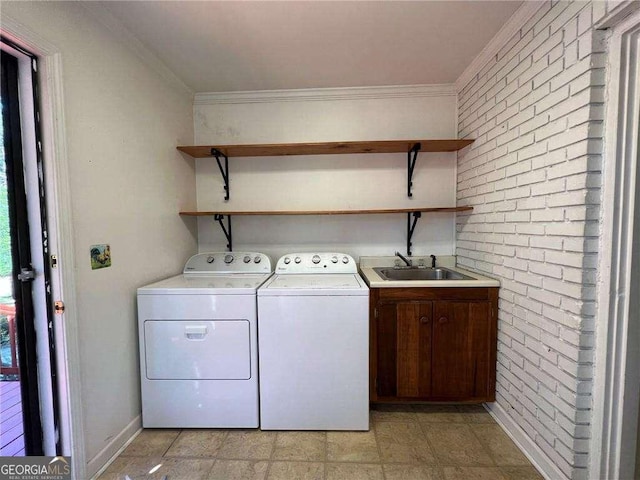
pixel 345 259
pixel 228 258
pixel 297 260
pixel 334 259
pixel 246 259
pixel 316 259
pixel 287 260
pixel 210 259
pixel 258 259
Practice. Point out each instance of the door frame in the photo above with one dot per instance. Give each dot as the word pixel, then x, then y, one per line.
pixel 21 253
pixel 616 388
pixel 59 208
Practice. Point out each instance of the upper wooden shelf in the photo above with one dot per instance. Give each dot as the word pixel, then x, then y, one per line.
pixel 327 212
pixel 326 148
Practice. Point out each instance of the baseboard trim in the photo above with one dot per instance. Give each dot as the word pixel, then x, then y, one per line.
pixel 536 456
pixel 98 464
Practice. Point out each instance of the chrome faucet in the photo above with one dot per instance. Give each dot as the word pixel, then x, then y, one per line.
pixel 404 259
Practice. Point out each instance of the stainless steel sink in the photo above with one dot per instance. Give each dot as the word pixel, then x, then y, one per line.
pixel 419 273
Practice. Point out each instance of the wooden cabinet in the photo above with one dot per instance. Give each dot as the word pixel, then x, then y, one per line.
pixel 433 344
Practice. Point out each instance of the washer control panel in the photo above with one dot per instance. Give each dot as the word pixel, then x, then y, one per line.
pixel 316 262
pixel 228 262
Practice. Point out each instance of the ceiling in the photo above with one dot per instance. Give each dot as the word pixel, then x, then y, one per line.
pixel 227 46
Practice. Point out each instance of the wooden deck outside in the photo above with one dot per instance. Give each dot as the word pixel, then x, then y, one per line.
pixel 11 433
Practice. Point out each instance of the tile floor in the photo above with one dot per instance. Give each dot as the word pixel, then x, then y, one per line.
pixel 419 442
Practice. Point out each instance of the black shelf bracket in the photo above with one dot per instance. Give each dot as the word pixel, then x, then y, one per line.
pixel 227 230
pixel 411 163
pixel 411 227
pixel 224 171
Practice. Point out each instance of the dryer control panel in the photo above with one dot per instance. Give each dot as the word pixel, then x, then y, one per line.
pixel 228 262
pixel 316 263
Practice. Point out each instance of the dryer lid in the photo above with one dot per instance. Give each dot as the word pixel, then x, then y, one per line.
pixel 238 284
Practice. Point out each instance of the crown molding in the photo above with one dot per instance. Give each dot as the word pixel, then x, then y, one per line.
pixel 24 36
pixel 324 94
pixel 508 30
pixel 99 13
pixel 617 14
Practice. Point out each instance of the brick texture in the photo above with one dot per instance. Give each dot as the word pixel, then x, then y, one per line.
pixel 533 178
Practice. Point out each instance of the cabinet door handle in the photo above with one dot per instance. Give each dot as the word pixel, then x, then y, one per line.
pixel 424 319
pixel 443 320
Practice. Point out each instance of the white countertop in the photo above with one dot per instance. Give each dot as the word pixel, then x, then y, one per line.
pixel 374 280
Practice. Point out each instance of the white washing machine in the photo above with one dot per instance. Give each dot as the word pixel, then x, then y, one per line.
pixel 314 345
pixel 198 343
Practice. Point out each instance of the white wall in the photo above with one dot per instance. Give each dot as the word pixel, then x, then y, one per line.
pixel 533 176
pixel 327 182
pixel 127 185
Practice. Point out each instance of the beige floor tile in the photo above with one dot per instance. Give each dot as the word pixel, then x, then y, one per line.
pixel 354 471
pixel 135 467
pixel 307 446
pixel 138 468
pixel 400 432
pixel 422 442
pixel 500 446
pixel 352 447
pixel 475 414
pixel 393 413
pixel 411 472
pixel 151 442
pixel 187 469
pixel 296 471
pixel 197 443
pixel 238 470
pixel 473 473
pixel 438 414
pixel 521 473
pixel 247 445
pixel 399 453
pixel 403 443
pixel 455 444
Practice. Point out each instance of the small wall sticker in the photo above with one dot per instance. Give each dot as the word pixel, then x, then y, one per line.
pixel 100 256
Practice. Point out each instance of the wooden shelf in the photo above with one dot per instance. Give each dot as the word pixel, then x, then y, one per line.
pixel 327 212
pixel 412 214
pixel 325 148
pixel 222 153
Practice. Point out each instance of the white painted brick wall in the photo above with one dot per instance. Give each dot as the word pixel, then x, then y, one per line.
pixel 533 178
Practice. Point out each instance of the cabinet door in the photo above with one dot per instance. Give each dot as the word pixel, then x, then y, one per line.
pixel 461 350
pixel 404 349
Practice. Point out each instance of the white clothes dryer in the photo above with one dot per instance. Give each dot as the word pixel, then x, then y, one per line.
pixel 314 345
pixel 198 343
